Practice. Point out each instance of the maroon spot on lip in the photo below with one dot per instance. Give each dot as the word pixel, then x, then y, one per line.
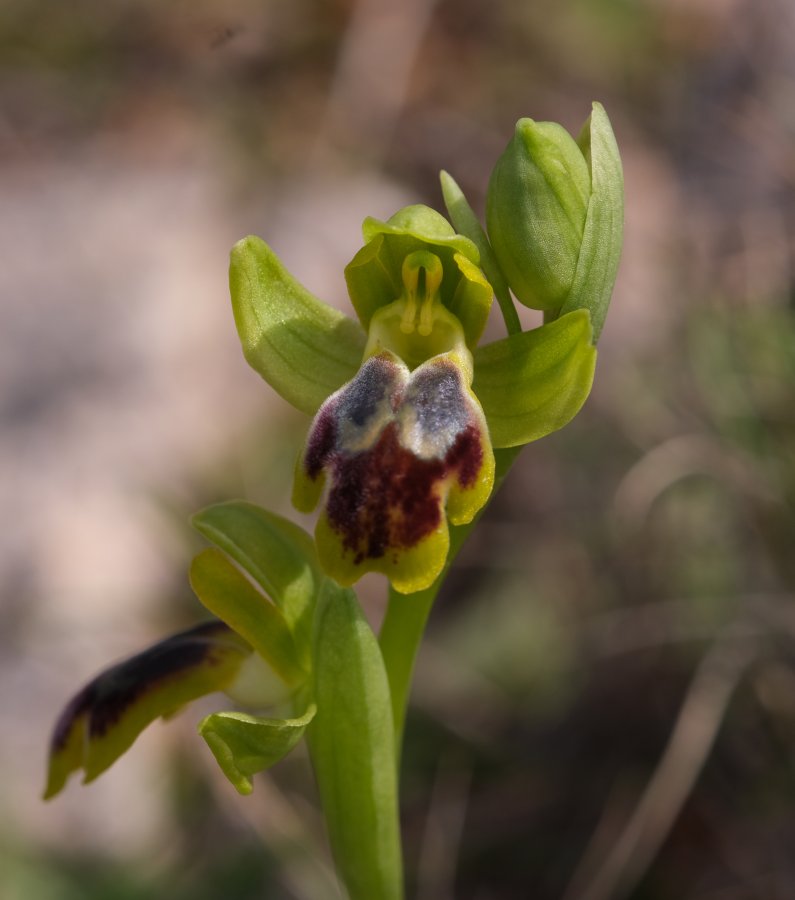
pixel 387 498
pixel 466 456
pixel 383 498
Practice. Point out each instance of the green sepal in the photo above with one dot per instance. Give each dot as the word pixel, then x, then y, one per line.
pixel 374 275
pixel 533 383
pixel 228 594
pixel 103 720
pixel 536 208
pixel 351 741
pixel 426 224
pixel 277 554
pixel 600 253
pixel 244 745
pixel 302 347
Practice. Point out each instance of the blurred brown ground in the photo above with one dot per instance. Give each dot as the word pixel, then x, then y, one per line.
pixel 628 599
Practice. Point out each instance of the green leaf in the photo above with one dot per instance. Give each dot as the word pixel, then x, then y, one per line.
pixel 533 383
pixel 244 745
pixel 103 720
pixel 275 552
pixel 351 740
pixel 227 593
pixel 604 224
pixel 303 348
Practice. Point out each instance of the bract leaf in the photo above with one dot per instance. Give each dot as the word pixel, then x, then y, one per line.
pixel 103 720
pixel 351 741
pixel 533 383
pixel 244 745
pixel 302 347
pixel 228 594
pixel 600 251
pixel 275 552
pixel 466 222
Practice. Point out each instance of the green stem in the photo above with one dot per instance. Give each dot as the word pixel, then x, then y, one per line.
pixel 407 614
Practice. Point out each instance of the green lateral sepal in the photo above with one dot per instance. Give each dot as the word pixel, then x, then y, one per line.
pixel 302 347
pixel 244 745
pixel 532 383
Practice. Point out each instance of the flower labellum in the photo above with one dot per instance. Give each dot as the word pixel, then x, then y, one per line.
pixel 404 444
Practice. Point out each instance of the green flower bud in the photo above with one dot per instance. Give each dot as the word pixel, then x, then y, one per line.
pixel 555 215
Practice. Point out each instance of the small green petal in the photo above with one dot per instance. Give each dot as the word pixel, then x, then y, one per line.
pixel 601 244
pixel 373 283
pixel 103 720
pixel 275 552
pixel 533 383
pixel 244 745
pixel 228 594
pixel 303 348
pixel 472 300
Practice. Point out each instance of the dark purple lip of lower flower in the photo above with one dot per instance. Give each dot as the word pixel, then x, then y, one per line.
pixel 112 693
pixel 385 497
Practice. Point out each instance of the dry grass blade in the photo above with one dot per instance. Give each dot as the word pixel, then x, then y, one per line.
pixel 612 874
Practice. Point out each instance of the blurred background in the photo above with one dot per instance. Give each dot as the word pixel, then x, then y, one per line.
pixel 605 702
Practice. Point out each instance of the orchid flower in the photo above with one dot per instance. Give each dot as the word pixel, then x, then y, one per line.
pixel 411 413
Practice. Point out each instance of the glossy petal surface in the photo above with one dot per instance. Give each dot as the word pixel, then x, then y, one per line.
pixel 402 452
